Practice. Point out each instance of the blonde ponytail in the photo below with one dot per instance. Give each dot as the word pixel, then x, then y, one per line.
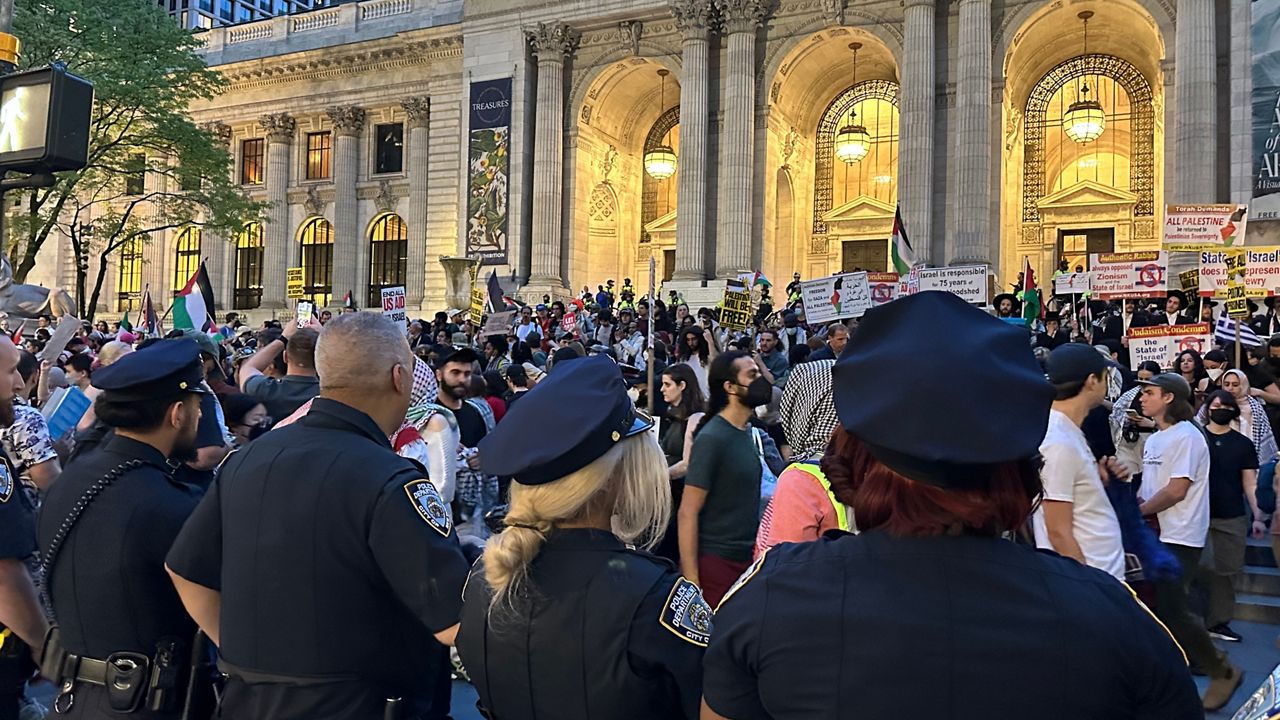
pixel 632 475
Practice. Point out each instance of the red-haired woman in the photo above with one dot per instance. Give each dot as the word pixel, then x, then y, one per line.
pixel 929 612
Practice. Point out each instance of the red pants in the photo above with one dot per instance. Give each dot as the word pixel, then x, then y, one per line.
pixel 716 575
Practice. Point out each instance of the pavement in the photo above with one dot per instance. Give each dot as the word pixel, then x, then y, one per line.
pixel 1256 654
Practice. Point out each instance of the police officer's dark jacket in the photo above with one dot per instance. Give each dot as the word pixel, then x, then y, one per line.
pixel 875 626
pixel 336 562
pixel 601 632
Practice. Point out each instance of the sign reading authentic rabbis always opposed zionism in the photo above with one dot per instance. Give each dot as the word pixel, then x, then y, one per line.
pixel 488 167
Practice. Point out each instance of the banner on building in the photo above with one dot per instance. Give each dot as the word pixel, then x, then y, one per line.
pixel 1161 344
pixel 968 282
pixel 1204 227
pixel 1129 275
pixel 837 297
pixel 735 311
pixel 884 287
pixel 488 168
pixel 1261 272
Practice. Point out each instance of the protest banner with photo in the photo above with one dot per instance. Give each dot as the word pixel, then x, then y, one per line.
pixel 295 283
pixel 1261 272
pixel 1129 275
pixel 489 164
pixel 1162 343
pixel 1073 283
pixel 837 297
pixel 968 282
pixel 393 302
pixel 1204 227
pixel 884 287
pixel 735 311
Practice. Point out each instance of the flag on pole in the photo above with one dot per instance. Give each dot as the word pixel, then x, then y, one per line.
pixel 1031 307
pixel 125 323
pixel 347 302
pixel 150 321
pixel 496 302
pixel 194 304
pixel 17 334
pixel 1225 332
pixel 904 256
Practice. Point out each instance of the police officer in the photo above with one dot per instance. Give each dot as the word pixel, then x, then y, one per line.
pixel 321 562
pixel 928 612
pixel 561 618
pixel 22 622
pixel 104 528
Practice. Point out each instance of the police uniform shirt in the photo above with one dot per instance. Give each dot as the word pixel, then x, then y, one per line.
pixel 873 626
pixel 604 633
pixel 17 516
pixel 334 556
pixel 109 589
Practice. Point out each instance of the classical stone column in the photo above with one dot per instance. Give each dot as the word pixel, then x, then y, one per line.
pixel 278 250
pixel 741 19
pixel 350 248
pixel 551 44
pixel 418 110
pixel 972 243
pixel 694 18
pixel 215 247
pixel 1196 118
pixel 915 162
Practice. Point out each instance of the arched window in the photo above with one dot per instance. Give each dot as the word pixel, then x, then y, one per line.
pixel 186 258
pixel 875 103
pixel 658 197
pixel 129 280
pixel 388 256
pixel 317 260
pixel 248 292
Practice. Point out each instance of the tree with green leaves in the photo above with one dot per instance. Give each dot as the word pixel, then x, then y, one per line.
pixel 150 167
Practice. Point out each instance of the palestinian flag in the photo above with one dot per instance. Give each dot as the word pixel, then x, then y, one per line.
pixel 904 256
pixel 1031 308
pixel 150 321
pixel 125 324
pixel 17 334
pixel 194 306
pixel 347 302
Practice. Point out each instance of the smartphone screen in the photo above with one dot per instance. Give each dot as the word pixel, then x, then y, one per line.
pixel 304 313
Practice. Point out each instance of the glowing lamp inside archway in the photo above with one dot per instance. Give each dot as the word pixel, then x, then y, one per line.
pixel 852 143
pixel 660 162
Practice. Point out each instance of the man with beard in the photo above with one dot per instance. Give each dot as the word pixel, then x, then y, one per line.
pixel 104 529
pixel 1007 305
pixel 22 623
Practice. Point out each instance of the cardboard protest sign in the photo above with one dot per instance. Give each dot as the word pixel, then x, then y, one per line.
pixel 735 312
pixel 67 328
pixel 393 301
pixel 1205 227
pixel 837 297
pixel 1261 272
pixel 1162 343
pixel 1129 275
pixel 968 282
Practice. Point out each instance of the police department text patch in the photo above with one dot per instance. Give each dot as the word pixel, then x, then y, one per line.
pixel 686 614
pixel 426 500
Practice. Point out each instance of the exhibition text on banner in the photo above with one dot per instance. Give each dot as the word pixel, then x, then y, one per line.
pixel 1129 275
pixel 1161 344
pixel 837 297
pixel 489 165
pixel 1204 227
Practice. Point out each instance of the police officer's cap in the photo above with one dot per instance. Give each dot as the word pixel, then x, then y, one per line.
pixel 587 408
pixel 162 369
pixel 944 412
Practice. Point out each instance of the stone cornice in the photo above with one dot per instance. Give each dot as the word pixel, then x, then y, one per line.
pixel 322 64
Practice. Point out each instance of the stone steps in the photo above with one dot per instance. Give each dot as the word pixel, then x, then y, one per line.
pixel 1258 587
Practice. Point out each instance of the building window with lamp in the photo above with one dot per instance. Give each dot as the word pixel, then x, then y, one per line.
pixel 319 155
pixel 390 148
pixel 186 258
pixel 129 276
pixel 249 257
pixel 251 161
pixel 317 261
pixel 388 256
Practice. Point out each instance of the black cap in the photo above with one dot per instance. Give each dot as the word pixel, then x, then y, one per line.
pixel 456 354
pixel 1074 362
pixel 987 358
pixel 1171 383
pixel 162 369
pixel 587 403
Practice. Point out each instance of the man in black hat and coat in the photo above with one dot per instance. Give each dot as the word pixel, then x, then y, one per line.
pixel 1007 305
pixel 1054 334
pixel 1175 310
pixel 1268 323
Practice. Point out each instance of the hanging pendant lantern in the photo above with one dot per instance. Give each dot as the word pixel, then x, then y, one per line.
pixel 1084 120
pixel 853 142
pixel 660 162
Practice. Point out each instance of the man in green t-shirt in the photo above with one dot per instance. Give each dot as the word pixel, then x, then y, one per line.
pixel 718 514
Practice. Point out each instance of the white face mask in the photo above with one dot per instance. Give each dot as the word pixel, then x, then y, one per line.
pixel 1215 373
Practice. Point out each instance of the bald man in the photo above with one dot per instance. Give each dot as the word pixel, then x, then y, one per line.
pixel 319 552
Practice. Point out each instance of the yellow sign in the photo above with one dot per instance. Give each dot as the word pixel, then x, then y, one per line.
pixel 736 311
pixel 295 285
pixel 477 295
pixel 1190 280
pixel 1237 292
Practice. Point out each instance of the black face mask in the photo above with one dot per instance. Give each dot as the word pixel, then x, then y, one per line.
pixel 1222 416
pixel 258 431
pixel 759 392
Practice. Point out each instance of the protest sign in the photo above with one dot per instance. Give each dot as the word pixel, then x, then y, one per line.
pixel 884 287
pixel 63 410
pixel 477 302
pixel 968 282
pixel 393 299
pixel 67 328
pixel 837 297
pixel 498 323
pixel 569 323
pixel 1237 295
pixel 1129 275
pixel 295 284
pixel 1162 343
pixel 1261 272
pixel 1190 279
pixel 1204 227
pixel 1072 283
pixel 304 312
pixel 735 312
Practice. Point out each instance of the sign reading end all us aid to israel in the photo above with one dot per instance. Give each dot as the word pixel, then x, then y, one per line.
pixel 1204 227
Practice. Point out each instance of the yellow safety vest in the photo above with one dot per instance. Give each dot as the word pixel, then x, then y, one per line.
pixel 812 470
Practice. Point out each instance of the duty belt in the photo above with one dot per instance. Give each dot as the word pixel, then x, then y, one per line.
pixel 124 675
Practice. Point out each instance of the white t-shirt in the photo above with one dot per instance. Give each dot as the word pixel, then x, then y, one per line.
pixel 1070 474
pixel 1180 451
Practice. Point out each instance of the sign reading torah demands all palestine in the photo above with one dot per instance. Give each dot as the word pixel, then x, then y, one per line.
pixel 837 297
pixel 1204 227
pixel 1129 275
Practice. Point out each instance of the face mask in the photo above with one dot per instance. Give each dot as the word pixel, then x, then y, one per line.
pixel 257 431
pixel 1222 416
pixel 759 392
pixel 1215 373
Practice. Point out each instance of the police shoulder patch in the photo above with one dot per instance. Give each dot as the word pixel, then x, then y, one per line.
pixel 686 614
pixel 426 500
pixel 743 578
pixel 6 482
